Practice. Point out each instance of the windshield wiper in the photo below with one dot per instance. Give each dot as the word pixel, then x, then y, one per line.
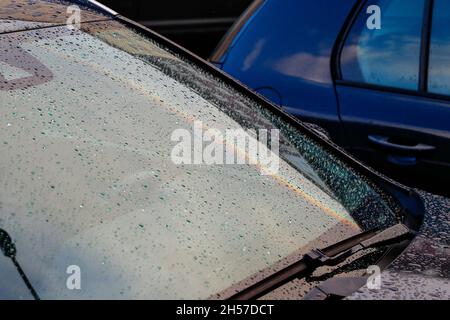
pixel 330 256
pixel 9 250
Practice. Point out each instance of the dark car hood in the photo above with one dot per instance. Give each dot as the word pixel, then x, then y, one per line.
pixel 422 271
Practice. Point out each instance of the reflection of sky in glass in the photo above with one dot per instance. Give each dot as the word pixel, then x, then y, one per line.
pixel 389 56
pixel 439 74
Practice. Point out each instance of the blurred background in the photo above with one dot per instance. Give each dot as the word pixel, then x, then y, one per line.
pixel 197 25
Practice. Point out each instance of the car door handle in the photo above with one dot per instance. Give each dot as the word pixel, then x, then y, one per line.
pixel 384 142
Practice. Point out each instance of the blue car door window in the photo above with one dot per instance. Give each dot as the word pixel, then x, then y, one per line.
pixel 389 54
pixel 439 67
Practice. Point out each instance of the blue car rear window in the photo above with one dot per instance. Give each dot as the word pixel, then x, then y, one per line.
pixel 439 71
pixel 388 55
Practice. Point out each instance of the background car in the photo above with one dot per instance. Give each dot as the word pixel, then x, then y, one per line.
pixel 382 94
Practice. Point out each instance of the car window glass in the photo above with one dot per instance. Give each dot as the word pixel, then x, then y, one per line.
pixel 86 176
pixel 388 56
pixel 439 68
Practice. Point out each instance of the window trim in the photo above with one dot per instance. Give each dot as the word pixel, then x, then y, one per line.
pixel 425 45
pixel 342 38
pixel 422 90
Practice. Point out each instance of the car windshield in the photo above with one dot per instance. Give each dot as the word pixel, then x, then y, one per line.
pixel 91 179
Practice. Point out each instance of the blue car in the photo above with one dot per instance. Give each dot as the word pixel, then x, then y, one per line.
pixel 375 75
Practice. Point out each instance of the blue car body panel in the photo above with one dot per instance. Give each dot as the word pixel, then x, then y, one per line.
pixel 418 120
pixel 286 51
pixel 287 62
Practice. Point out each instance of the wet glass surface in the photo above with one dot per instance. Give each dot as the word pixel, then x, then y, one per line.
pixel 439 73
pixel 366 50
pixel 86 175
pixel 30 14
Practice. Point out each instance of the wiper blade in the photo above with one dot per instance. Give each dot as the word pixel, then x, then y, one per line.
pixel 9 250
pixel 330 256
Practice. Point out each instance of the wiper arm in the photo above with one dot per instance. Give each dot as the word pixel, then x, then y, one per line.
pixel 330 256
pixel 9 250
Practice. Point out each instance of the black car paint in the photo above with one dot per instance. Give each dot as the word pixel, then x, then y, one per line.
pixel 422 271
